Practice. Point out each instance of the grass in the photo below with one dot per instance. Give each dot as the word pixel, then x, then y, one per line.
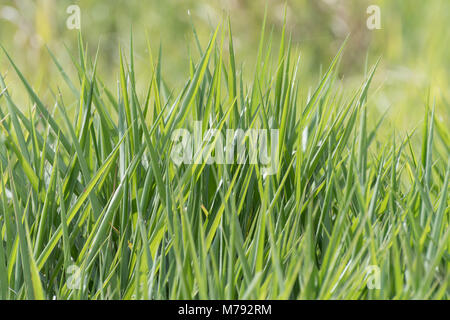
pixel 88 185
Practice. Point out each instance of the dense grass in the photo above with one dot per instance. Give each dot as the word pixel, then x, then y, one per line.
pixel 89 182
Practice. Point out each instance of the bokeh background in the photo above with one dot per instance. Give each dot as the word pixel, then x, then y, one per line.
pixel 413 43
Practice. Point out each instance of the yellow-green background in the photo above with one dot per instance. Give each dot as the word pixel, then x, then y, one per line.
pixel 413 43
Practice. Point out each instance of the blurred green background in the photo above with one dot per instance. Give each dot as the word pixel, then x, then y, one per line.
pixel 413 42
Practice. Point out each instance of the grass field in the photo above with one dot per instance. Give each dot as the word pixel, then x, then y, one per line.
pixel 93 206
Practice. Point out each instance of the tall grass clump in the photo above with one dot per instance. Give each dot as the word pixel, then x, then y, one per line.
pixel 93 207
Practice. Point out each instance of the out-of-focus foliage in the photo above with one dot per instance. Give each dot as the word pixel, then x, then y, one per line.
pixel 413 41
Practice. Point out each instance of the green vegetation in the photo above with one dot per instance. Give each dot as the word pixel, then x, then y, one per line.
pixel 88 181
